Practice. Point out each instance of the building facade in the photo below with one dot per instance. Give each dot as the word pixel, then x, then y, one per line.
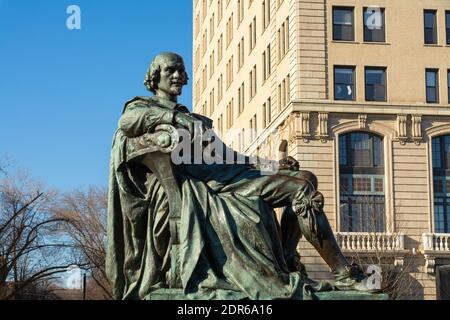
pixel 359 95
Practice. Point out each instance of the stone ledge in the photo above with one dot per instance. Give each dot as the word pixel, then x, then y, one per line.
pixel 177 294
pixel 349 295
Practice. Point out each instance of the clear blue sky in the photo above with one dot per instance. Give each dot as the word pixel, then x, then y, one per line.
pixel 62 91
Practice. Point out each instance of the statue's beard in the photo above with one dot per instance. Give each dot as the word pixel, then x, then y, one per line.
pixel 176 89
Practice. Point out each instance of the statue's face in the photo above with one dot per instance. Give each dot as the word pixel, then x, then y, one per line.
pixel 172 76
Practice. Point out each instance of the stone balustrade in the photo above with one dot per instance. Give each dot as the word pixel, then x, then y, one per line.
pixel 435 245
pixel 370 241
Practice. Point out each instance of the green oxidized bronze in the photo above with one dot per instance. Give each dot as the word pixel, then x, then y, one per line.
pixel 207 231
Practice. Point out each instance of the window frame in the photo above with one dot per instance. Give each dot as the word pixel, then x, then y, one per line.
pixel 442 174
pixel 352 9
pixel 372 200
pixel 435 28
pixel 367 30
pixel 353 68
pixel 384 69
pixel 436 74
pixel 448 85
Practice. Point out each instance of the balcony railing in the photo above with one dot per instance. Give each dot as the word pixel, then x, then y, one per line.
pixel 435 245
pixel 436 241
pixel 370 242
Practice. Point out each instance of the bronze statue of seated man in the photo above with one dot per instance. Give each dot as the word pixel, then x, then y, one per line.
pixel 229 242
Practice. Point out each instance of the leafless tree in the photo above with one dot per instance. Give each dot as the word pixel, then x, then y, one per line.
pixel 30 250
pixel 85 212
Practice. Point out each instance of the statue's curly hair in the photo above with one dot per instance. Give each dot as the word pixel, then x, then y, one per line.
pixel 154 72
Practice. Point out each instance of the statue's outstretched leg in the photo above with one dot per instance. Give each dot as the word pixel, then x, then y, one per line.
pixel 314 225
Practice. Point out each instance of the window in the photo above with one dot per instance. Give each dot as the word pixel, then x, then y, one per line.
pixel 211 27
pixel 229 71
pixel 430 27
pixel 265 21
pixel 220 125
pixel 254 128
pixel 219 11
pixel 252 34
pixel 441 183
pixel 374 21
pixel 220 48
pixel 447 25
pixel 211 64
pixel 283 39
pixel 375 84
pixel 432 85
pixel 241 99
pixel 229 29
pixel 230 114
pixel 343 24
pixel 241 53
pixel 204 9
pixel 240 10
pixel 266 63
pixel 211 102
pixel 344 83
pixel 448 85
pixel 253 83
pixel 361 179
pixel 266 113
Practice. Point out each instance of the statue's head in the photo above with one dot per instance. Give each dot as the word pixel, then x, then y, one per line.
pixel 167 73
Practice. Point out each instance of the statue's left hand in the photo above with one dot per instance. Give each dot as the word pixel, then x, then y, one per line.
pixel 289 163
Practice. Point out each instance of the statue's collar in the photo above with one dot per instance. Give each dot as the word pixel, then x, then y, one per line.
pixel 164 102
pixel 169 104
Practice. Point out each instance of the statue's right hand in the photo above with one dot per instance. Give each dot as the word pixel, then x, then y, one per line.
pixel 185 121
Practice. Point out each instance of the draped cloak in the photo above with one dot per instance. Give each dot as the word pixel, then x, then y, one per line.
pixel 231 245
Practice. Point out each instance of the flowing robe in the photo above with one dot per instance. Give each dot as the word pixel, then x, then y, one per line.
pixel 231 245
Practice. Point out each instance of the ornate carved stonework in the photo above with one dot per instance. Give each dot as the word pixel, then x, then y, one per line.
pixel 416 128
pixel 401 128
pixel 323 126
pixel 362 120
pixel 302 125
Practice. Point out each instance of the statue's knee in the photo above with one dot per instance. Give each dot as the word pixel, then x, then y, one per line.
pixel 310 178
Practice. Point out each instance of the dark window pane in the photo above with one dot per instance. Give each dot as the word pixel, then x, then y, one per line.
pixel 436 146
pixel 343 150
pixel 447 151
pixel 430 27
pixel 431 95
pixel 375 84
pixel 344 83
pixel 432 86
pixel 379 185
pixel 377 151
pixel 343 27
pixel 438 186
pixel 447 24
pixel 361 149
pixel 448 85
pixel 431 78
pixel 374 30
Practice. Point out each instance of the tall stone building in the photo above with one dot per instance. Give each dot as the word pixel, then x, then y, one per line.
pixel 359 95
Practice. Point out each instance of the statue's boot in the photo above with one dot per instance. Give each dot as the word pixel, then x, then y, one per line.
pixel 314 225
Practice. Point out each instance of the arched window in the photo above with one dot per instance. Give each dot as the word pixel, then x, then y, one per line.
pixel 441 183
pixel 361 179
